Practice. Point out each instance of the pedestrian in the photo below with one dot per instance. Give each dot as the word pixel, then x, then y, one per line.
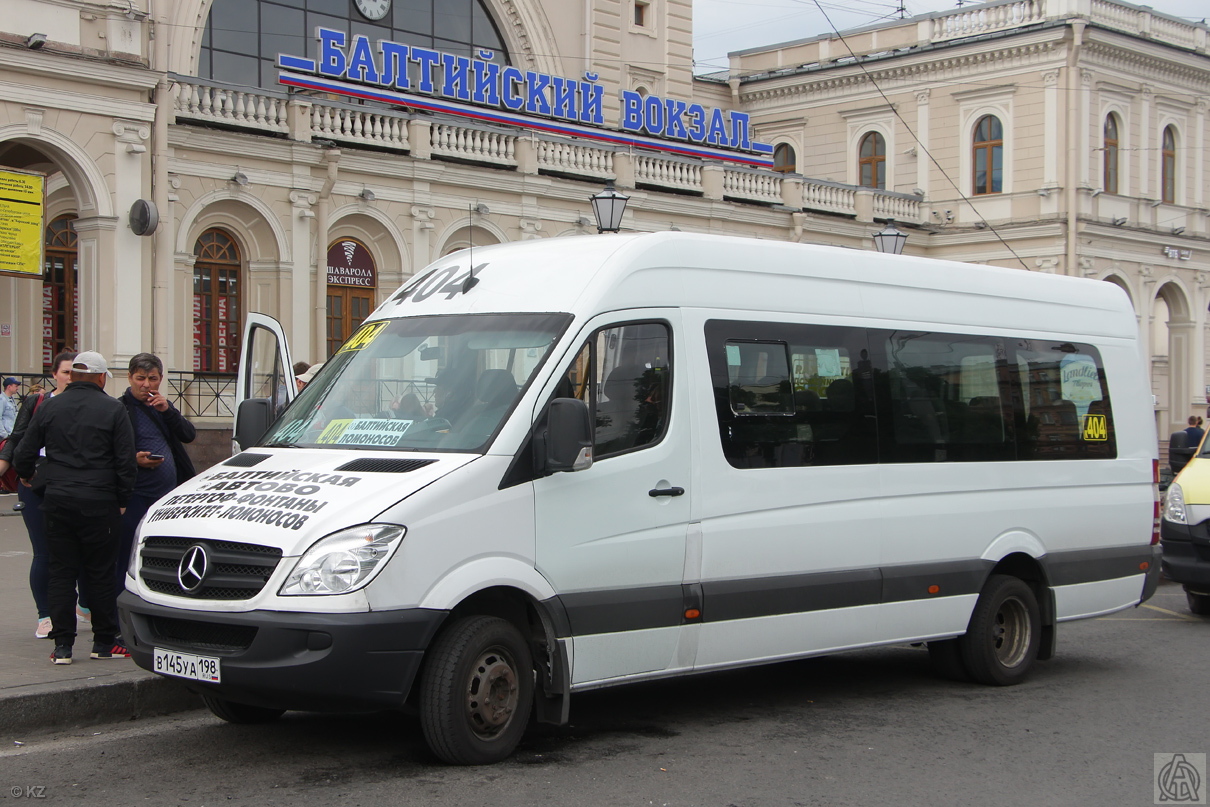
pixel 300 367
pixel 85 483
pixel 1194 433
pixel 30 503
pixel 160 432
pixel 304 378
pixel 8 407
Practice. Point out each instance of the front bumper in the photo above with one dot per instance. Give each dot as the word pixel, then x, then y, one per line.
pixel 289 660
pixel 1187 553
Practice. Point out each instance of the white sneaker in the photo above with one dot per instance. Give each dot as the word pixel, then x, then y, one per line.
pixel 84 614
pixel 43 630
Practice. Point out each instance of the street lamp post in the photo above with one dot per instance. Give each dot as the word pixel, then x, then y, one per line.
pixel 890 240
pixel 608 206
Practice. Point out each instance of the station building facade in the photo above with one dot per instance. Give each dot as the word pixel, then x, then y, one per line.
pixel 984 133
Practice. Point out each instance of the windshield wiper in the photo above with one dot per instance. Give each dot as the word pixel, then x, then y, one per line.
pixel 282 445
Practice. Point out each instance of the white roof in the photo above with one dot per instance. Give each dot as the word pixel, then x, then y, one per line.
pixel 587 275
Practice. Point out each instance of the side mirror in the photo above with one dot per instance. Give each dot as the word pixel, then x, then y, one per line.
pixel 253 419
pixel 566 443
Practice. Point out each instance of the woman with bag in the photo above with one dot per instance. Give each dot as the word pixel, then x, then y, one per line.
pixel 31 510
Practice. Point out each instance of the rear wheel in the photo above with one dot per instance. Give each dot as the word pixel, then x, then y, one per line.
pixel 1198 603
pixel 1005 630
pixel 476 691
pixel 240 712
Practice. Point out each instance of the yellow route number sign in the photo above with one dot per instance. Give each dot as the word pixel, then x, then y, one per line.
pixel 1096 428
pixel 364 336
pixel 22 213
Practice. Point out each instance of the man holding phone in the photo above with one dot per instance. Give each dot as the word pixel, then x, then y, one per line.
pixel 159 434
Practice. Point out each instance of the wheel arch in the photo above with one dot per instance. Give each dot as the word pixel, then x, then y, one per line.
pixel 539 621
pixel 1029 569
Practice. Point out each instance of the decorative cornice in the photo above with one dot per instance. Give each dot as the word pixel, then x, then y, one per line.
pixel 892 78
pixel 1138 64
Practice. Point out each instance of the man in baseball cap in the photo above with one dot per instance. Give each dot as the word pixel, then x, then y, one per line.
pixel 85 483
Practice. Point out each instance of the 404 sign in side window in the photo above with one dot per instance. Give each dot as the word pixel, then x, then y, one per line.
pixel 187 665
pixel 448 280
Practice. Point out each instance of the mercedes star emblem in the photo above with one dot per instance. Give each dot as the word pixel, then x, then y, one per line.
pixel 192 569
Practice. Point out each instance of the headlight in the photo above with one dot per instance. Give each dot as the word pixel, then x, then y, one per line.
pixel 133 561
pixel 344 561
pixel 1174 505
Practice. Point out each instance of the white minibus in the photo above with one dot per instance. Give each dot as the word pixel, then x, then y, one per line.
pixel 550 466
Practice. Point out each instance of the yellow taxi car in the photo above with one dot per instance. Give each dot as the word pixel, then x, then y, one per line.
pixel 1185 528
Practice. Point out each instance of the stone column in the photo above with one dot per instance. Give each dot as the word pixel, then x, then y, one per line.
pixel 923 163
pixel 294 296
pixel 101 274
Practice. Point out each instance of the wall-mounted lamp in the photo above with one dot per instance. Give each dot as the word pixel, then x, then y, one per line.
pixel 608 206
pixel 1178 230
pixel 1044 192
pixel 482 209
pixel 367 195
pixel 1119 222
pixel 35 41
pixel 240 178
pixel 672 228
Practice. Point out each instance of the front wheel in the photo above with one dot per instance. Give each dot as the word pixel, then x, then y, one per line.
pixel 1005 631
pixel 234 712
pixel 476 691
pixel 1198 603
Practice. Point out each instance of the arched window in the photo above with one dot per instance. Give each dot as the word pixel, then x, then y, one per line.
pixel 1110 144
pixel 784 158
pixel 216 303
pixel 987 155
pixel 60 295
pixel 871 161
pixel 243 37
pixel 1168 168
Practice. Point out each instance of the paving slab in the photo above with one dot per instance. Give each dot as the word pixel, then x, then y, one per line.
pixel 36 694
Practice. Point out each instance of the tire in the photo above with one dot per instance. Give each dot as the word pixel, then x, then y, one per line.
pixel 1001 642
pixel 234 712
pixel 1198 603
pixel 946 658
pixel 476 656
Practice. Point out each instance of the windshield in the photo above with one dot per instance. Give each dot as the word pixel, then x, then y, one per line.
pixel 420 383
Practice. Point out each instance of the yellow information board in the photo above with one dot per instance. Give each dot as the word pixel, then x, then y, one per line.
pixel 22 209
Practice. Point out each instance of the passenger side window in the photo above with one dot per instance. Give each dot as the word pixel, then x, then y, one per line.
pixel 623 373
pixel 792 395
pixel 949 398
pixel 1065 402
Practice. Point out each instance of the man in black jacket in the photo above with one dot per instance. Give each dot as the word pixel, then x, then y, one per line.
pixel 159 433
pixel 85 483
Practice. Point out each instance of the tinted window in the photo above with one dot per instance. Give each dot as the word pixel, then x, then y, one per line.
pixel 948 398
pixel 804 395
pixel 1064 401
pixel 623 373
pixel 792 395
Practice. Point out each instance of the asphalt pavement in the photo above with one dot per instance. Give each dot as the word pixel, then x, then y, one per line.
pixel 34 693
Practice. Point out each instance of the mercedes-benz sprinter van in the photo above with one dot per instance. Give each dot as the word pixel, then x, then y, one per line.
pixel 557 465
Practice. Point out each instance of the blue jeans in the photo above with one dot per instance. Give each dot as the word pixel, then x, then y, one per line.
pixel 39 568
pixel 136 508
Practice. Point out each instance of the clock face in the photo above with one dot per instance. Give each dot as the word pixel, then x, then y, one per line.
pixel 373 9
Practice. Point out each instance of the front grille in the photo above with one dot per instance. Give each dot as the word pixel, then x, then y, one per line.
pixel 201 635
pixel 235 571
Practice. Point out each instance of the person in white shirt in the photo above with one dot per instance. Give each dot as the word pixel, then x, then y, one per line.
pixel 8 407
